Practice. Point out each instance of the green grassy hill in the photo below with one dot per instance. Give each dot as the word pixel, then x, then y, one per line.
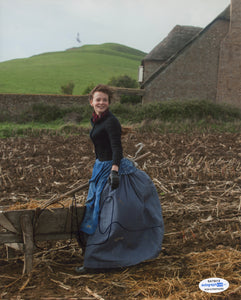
pixel 45 73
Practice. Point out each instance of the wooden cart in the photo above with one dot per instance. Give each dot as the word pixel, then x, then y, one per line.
pixel 21 228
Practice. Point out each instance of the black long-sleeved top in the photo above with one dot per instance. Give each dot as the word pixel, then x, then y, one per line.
pixel 106 137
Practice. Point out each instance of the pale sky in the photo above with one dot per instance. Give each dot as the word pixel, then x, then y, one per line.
pixel 30 27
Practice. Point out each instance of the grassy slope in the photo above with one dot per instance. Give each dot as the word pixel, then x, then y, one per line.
pixel 45 73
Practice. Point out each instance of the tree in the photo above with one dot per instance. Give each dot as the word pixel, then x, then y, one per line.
pixel 123 81
pixel 68 88
pixel 126 82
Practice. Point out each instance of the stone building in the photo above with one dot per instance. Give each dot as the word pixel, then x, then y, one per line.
pixel 195 63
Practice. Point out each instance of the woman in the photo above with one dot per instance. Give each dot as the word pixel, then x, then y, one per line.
pixel 123 219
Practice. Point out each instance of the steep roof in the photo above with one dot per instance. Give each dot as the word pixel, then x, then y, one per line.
pixel 174 41
pixel 225 15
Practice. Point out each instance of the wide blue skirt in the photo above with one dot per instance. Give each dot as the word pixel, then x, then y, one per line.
pixel 129 227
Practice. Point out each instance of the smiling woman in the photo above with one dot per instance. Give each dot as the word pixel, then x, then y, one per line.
pixel 100 102
pixel 123 223
pixel 100 99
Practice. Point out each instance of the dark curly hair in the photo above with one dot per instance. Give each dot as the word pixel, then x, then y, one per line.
pixel 101 88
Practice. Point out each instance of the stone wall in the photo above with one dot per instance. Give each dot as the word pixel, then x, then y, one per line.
pixel 192 74
pixel 14 104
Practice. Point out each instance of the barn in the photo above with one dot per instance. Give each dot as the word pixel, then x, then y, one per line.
pixel 194 63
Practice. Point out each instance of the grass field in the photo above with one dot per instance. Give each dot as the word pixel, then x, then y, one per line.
pixel 169 116
pixel 92 64
pixel 45 73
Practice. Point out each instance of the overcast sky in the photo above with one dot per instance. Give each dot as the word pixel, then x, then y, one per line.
pixel 30 27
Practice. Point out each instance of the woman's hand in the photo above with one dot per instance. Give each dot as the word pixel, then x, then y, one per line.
pixel 114 179
pixel 115 168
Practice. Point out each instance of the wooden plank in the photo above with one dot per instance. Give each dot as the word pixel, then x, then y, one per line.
pixel 54 237
pixel 59 221
pixel 27 229
pixel 5 223
pixel 14 238
pixel 6 237
pixel 14 217
pixel 56 220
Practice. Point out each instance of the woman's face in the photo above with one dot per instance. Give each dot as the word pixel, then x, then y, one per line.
pixel 100 102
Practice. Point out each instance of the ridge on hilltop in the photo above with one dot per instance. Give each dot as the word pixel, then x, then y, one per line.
pixel 89 64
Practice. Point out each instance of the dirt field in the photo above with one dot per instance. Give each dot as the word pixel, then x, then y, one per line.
pixel 198 178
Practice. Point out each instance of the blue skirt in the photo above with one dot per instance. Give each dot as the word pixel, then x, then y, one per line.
pixel 124 226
